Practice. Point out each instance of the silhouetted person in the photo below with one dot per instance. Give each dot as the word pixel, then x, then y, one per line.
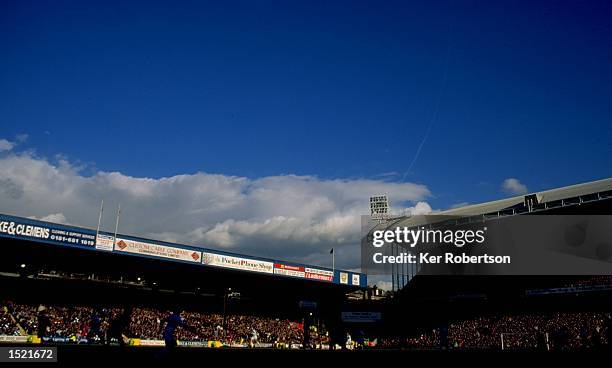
pixel 173 321
pixel 44 321
pixel 95 326
pixel 306 342
pixel 608 331
pixel 118 327
pixel 541 342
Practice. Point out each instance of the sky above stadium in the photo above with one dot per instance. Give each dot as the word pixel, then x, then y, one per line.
pixel 263 127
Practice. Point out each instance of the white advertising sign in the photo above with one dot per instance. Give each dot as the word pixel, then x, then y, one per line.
pixel 244 264
pixel 12 338
pixel 104 242
pixel 157 250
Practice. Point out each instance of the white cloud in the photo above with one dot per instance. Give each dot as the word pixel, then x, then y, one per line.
pixel 6 145
pixel 420 208
pixel 289 217
pixel 514 186
pixel 58 218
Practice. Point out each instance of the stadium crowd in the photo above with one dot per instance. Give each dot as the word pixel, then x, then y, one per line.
pixel 556 331
pixel 8 325
pixel 147 323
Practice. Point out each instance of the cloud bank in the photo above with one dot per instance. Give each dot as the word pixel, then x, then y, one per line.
pixel 514 187
pixel 290 217
pixel 6 145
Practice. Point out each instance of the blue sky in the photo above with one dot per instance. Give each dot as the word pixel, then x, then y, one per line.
pixel 333 89
pixel 262 127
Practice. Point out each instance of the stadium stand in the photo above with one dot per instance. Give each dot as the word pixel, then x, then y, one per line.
pixel 552 313
pixel 550 332
pixel 67 276
pixel 78 287
pixel 74 323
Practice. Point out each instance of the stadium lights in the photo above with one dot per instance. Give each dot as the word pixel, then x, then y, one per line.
pixel 379 207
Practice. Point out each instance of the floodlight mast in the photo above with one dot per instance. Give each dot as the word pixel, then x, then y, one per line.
pixel 379 211
pixel 379 207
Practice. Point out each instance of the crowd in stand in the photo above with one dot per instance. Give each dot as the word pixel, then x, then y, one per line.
pixel 25 315
pixel 148 323
pixel 8 326
pixel 557 331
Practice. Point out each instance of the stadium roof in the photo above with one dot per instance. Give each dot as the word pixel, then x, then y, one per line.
pixel 47 233
pixel 551 195
pixel 573 194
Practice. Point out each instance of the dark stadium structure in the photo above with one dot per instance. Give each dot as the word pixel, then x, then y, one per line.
pixel 53 264
pixel 592 198
pixel 423 303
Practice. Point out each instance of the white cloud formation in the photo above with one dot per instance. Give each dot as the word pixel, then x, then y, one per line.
pixel 420 208
pixel 58 218
pixel 514 186
pixel 289 217
pixel 6 145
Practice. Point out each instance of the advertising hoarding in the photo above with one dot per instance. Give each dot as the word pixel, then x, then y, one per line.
pixel 157 250
pixel 289 270
pixel 318 274
pixel 104 242
pixel 237 263
pixel 34 230
pixel 13 227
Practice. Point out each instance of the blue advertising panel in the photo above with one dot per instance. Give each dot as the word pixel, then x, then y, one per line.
pixel 33 230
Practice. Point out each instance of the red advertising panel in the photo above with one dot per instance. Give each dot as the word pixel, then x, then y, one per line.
pixel 288 270
pixel 318 274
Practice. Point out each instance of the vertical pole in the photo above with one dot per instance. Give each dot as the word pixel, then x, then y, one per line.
pixel 397 268
pixel 333 261
pixel 404 270
pixel 393 266
pixel 117 224
pixel 224 308
pixel 99 218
